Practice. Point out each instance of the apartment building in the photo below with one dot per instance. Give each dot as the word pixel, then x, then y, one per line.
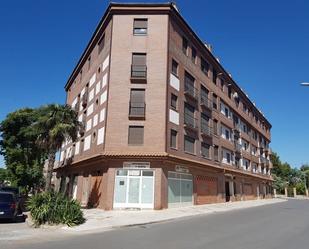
pixel 165 124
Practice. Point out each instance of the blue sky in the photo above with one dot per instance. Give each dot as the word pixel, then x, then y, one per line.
pixel 263 44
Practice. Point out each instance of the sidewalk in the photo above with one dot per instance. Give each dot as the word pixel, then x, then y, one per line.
pixel 98 220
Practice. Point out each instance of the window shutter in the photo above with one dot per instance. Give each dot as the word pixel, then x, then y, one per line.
pixel 136 135
pixel 140 23
pixel 139 59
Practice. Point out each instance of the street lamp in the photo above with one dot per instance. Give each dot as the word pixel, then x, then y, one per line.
pixel 305 84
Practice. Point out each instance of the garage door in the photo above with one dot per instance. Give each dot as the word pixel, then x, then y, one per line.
pixel 207 189
pixel 180 189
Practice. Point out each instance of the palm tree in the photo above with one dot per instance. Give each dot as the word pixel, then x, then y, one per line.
pixel 55 125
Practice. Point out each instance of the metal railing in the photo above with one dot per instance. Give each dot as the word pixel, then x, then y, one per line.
pixel 205 128
pixel 137 109
pixel 238 147
pixel 190 121
pixel 191 90
pixel 139 71
pixel 205 101
pixel 85 99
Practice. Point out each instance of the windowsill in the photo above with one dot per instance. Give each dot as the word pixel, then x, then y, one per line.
pixel 138 80
pixel 174 109
pixel 207 158
pixel 175 75
pixel 135 144
pixel 190 153
pixel 172 148
pixel 140 34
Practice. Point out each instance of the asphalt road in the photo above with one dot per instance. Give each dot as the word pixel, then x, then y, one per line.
pixel 284 225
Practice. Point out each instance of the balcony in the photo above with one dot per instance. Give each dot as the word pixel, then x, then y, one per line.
pixel 139 73
pixel 206 130
pixel 205 102
pixel 137 110
pixel 191 91
pixel 76 107
pixel 82 129
pixel 238 148
pixel 236 130
pixel 85 99
pixel 263 161
pixel 190 122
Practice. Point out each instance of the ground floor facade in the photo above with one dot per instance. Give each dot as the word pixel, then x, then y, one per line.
pixel 154 183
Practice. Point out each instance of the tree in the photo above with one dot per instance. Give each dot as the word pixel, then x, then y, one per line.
pixel 55 125
pixel 3 175
pixel 23 158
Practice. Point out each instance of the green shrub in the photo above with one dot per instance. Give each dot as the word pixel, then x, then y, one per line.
pixel 54 208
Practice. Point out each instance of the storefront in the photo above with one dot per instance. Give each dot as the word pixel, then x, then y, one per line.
pixel 180 189
pixel 134 188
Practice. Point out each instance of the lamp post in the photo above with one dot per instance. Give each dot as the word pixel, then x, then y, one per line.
pixel 304 84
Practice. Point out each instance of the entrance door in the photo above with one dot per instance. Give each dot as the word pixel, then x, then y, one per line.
pixel 134 188
pixel 180 189
pixel 227 192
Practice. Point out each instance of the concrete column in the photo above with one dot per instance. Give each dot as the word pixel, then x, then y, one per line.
pixel 307 194
pixel 294 192
pixel 286 192
pixel 275 193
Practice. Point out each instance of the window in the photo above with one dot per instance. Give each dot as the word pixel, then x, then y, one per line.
pixel 101 43
pixel 228 157
pixel 245 145
pixel 189 85
pixel 215 124
pixel 204 96
pixel 205 124
pixel 185 46
pixel 193 51
pixel 136 135
pixel 227 134
pixel 174 101
pixel 173 139
pixel 204 66
pixel 216 153
pixel 189 144
pixel 89 62
pixel 139 69
pixel 214 76
pixel 222 85
pixel 229 91
pixel 226 112
pixel 140 26
pixel 174 67
pixel 244 107
pixel 80 75
pixel 189 115
pixel 205 150
pixel 214 101
pixel 137 103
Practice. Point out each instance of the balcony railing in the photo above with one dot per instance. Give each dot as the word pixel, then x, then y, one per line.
pixel 139 71
pixel 190 122
pixel 206 130
pixel 191 91
pixel 137 109
pixel 238 147
pixel 85 99
pixel 205 102
pixel 76 107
